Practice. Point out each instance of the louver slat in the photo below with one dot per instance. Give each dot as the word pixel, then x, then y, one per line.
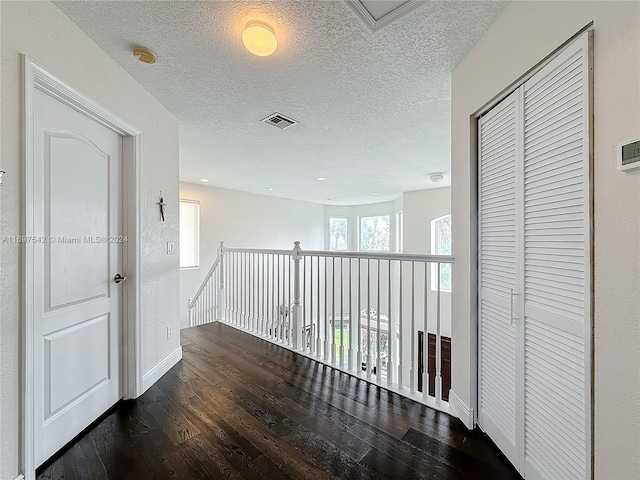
pixel 497 243
pixel 556 267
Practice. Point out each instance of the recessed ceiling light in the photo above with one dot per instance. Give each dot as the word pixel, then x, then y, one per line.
pixel 271 189
pixel 376 193
pixel 321 179
pixel 259 38
pixel 205 180
pixel 144 55
pixel 436 177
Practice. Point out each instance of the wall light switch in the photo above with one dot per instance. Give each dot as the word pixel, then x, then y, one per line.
pixel 171 248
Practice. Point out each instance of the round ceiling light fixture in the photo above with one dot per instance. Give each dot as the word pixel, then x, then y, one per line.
pixel 144 55
pixel 259 38
pixel 205 180
pixel 436 177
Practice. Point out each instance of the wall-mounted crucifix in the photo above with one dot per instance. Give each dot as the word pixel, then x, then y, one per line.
pixel 162 206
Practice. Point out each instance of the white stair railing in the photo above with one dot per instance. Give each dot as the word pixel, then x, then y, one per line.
pixel 207 304
pixel 370 314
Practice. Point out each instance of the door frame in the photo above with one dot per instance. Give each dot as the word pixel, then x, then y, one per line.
pixel 589 229
pixel 35 78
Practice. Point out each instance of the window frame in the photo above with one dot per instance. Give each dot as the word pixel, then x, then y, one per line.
pixel 359 240
pixel 435 281
pixel 347 236
pixel 399 231
pixel 197 235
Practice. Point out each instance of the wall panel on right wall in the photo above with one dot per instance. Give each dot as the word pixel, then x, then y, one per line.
pixel 524 35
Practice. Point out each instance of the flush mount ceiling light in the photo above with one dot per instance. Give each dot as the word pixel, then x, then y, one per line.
pixel 436 177
pixel 144 55
pixel 259 38
pixel 271 189
pixel 321 179
pixel 205 180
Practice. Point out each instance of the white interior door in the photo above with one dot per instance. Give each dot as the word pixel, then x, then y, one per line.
pixel 498 352
pixel 77 306
pixel 534 370
pixel 557 268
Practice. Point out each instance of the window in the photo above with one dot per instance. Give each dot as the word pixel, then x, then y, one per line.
pixel 374 233
pixel 399 231
pixel 189 234
pixel 441 245
pixel 338 233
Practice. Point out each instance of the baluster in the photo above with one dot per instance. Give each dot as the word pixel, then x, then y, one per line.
pixel 413 330
pixel 255 278
pixel 289 308
pixel 261 290
pixel 359 353
pixel 350 351
pixel 278 329
pixel 273 296
pixel 425 336
pixel 369 318
pixel 318 326
pixel 378 359
pixel 400 346
pixel 245 290
pixel 341 350
pixel 295 318
pixel 326 313
pixel 304 304
pixel 391 334
pixel 438 345
pixel 333 306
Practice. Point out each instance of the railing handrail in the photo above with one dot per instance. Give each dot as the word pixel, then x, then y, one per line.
pixel 374 255
pixel 406 257
pixel 204 282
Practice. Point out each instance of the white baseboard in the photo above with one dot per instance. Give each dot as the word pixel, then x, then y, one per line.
pixel 460 409
pixel 153 375
pixel 19 477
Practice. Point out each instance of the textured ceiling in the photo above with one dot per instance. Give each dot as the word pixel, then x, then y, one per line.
pixel 373 107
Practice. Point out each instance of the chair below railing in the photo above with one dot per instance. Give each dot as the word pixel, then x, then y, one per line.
pixel 365 313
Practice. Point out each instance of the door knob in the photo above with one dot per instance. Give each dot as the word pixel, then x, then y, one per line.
pixel 119 278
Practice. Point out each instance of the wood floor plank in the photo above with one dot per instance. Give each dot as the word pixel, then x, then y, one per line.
pixel 205 457
pixel 279 452
pixel 118 453
pixel 263 469
pixel 238 407
pixel 172 421
pixel 162 457
pixel 93 467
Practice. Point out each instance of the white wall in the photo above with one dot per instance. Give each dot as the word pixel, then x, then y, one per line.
pixel 521 37
pixel 41 31
pixel 246 220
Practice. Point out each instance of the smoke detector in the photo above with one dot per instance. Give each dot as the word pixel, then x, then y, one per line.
pixel 436 177
pixel 279 120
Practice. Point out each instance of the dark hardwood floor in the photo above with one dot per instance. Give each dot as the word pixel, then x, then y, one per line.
pixel 239 407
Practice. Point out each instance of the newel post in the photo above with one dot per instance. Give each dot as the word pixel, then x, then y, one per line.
pixel 221 285
pixel 296 254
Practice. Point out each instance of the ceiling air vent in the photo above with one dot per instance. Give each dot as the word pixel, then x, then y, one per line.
pixel 279 120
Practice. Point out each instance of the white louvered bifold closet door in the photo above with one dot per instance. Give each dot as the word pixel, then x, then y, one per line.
pixel 557 268
pixel 498 133
pixel 534 332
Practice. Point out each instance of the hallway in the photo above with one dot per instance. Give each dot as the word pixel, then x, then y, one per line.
pixel 240 407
